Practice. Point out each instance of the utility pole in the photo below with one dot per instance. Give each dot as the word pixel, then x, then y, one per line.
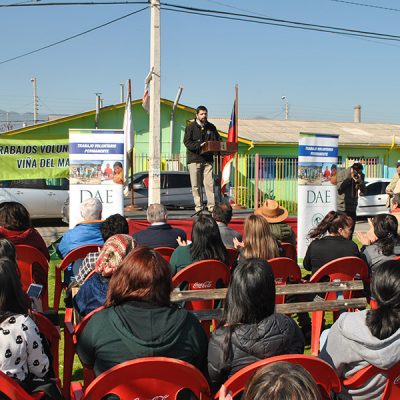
pixel 284 98
pixel 171 121
pixel 35 101
pixel 122 94
pixel 98 106
pixel 154 112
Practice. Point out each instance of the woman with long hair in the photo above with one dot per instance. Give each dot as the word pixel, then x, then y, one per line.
pixel 359 339
pixel 250 329
pixel 385 241
pixel 331 240
pixel 259 241
pixel 206 245
pixel 21 351
pixel 139 319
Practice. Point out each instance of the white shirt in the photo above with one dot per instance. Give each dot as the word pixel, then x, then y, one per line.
pixel 21 349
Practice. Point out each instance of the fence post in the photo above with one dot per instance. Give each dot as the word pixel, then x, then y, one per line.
pixel 256 166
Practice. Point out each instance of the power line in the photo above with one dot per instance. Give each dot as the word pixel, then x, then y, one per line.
pixel 75 3
pixel 275 21
pixel 74 36
pixel 286 24
pixel 353 3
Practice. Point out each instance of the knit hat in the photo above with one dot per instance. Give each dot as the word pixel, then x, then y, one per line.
pixel 115 249
pixel 272 211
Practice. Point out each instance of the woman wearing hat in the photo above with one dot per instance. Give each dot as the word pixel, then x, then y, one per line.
pixel 93 292
pixel 275 215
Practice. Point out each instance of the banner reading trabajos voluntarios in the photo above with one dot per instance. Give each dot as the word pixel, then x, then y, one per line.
pixel 24 158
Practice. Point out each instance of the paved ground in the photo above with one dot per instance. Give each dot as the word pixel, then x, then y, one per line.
pixel 51 230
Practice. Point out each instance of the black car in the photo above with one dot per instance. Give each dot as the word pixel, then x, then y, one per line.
pixel 175 187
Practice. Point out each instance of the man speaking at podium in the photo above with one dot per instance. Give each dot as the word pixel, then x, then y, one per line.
pixel 200 165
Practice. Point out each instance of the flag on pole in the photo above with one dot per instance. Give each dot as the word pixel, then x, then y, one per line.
pixel 146 97
pixel 227 160
pixel 128 136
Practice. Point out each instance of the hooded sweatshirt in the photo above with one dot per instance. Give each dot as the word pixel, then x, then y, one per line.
pixel 137 329
pixel 29 237
pixel 350 346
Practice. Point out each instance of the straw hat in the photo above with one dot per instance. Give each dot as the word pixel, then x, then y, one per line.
pixel 272 211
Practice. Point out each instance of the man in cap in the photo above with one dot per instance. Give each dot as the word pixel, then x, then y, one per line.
pixel 352 186
pixel 275 215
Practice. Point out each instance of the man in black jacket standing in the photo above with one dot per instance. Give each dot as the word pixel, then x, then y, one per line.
pixel 200 165
pixel 352 186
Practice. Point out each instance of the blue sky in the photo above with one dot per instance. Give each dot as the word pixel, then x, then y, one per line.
pixel 322 75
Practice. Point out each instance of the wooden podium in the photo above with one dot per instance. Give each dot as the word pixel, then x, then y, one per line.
pixel 222 148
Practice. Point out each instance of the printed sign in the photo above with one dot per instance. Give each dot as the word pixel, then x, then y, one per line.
pixel 96 170
pixel 317 179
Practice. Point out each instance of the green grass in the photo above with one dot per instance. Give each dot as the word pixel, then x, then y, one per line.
pixel 77 371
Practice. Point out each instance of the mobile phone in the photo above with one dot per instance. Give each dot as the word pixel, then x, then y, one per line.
pixel 34 290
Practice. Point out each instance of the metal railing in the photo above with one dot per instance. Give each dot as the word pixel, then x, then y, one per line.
pixel 256 178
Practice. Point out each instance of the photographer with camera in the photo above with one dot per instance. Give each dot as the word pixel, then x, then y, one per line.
pixel 352 186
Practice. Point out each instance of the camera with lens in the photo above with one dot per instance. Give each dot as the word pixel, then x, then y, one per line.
pixel 356 175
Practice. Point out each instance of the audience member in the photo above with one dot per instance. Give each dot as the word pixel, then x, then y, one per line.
pixel 222 214
pixel 250 329
pixel 359 339
pixel 113 225
pixel 85 232
pixel 393 187
pixel 259 241
pixel 276 215
pixel 16 226
pixel 22 355
pixel 140 320
pixel 206 244
pixel 336 244
pixel 387 243
pixel 395 209
pixel 93 292
pixel 159 233
pixel 7 249
pixel 280 380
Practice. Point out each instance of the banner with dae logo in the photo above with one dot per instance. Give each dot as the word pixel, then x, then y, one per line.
pixel 317 179
pixel 96 170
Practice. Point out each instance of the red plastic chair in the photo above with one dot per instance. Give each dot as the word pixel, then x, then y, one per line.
pixel 324 375
pixel 26 257
pixel 285 270
pixel 232 256
pixel 72 333
pixel 205 274
pixel 290 250
pixel 166 252
pixel 51 333
pixel 74 255
pixel 14 391
pixel 344 269
pixel 392 388
pixel 146 378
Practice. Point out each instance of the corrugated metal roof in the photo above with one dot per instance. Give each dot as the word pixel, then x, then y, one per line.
pixel 261 131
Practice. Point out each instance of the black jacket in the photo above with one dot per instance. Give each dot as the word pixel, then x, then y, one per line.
pixel 159 236
pixel 328 248
pixel 278 334
pixel 138 329
pixel 194 136
pixel 349 188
